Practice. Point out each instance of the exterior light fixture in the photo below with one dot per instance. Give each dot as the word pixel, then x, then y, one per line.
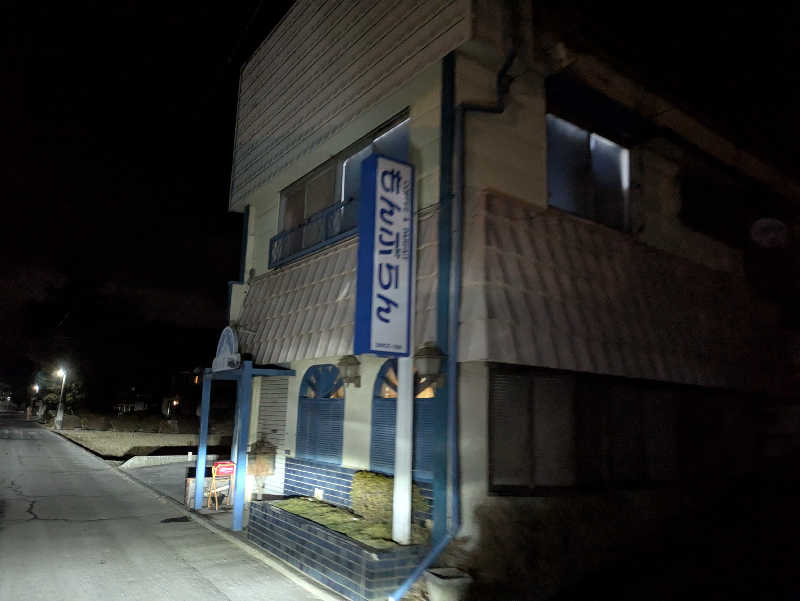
pixel 35 388
pixel 428 362
pixel 350 370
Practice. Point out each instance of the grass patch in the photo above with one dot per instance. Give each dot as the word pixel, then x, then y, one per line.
pixel 375 534
pixel 122 444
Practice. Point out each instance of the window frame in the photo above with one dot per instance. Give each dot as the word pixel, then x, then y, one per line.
pixel 423 409
pixel 592 135
pixel 584 383
pixel 338 163
pixel 308 408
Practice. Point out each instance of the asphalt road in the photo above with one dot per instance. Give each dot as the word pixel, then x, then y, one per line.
pixel 72 528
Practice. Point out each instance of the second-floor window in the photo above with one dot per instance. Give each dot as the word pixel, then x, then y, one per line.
pixel 323 206
pixel 587 174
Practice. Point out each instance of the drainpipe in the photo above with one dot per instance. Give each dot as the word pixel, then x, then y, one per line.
pixel 451 310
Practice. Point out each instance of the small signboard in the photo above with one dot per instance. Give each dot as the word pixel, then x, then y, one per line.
pixel 385 257
pixel 227 356
pixel 224 468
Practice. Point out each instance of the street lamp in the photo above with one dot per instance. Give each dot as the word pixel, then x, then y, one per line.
pixel 61 373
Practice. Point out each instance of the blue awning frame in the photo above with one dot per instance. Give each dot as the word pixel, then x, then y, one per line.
pixel 243 376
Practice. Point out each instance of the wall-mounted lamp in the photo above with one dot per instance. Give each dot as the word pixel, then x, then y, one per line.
pixel 350 370
pixel 428 362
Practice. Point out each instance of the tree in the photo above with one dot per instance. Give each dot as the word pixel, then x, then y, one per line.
pixel 50 391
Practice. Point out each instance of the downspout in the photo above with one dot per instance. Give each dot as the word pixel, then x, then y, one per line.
pixel 452 308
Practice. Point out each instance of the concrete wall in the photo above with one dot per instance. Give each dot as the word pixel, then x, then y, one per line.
pixel 323 68
pixel 420 96
pixel 504 152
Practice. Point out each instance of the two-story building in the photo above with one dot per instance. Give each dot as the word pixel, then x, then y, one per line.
pixel 609 348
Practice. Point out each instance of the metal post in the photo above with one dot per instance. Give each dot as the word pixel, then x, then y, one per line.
pixel 200 471
pixel 244 391
pixel 403 452
pixel 59 422
pixel 404 422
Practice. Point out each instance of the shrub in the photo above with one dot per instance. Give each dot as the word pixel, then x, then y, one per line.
pixel 372 493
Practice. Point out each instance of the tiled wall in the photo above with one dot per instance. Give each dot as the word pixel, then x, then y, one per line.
pixel 340 563
pixel 302 477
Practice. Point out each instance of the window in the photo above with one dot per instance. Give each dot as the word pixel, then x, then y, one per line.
pixel 384 413
pixel 551 429
pixel 320 415
pixel 322 207
pixel 587 174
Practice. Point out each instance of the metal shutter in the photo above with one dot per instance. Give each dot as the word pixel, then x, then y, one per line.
pixel 510 435
pixel 423 439
pixel 381 445
pixel 554 429
pixel 329 430
pixel 382 441
pixel 306 417
pixel 272 410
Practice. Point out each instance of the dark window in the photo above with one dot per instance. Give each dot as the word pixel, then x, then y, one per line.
pixel 587 174
pixel 320 415
pixel 384 414
pixel 550 430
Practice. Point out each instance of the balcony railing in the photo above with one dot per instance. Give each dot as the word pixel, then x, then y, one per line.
pixel 329 225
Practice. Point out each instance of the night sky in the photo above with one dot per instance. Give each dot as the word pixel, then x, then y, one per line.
pixel 117 121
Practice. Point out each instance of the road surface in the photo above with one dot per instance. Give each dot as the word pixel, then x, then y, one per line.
pixel 72 528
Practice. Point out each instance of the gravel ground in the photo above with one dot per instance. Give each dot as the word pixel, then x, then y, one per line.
pixel 120 444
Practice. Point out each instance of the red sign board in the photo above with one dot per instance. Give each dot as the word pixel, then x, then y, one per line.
pixel 224 468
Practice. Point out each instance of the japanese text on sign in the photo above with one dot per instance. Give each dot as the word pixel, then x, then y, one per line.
pixel 385 259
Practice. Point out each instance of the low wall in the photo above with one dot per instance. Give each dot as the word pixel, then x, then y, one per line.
pixel 354 571
pixel 150 460
pixel 302 477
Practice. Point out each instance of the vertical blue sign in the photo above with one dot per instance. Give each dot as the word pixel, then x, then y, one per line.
pixel 385 257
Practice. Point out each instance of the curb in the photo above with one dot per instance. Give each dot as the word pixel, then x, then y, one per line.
pixel 296 576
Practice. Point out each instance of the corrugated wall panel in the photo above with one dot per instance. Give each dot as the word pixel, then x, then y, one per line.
pixel 307 309
pixel 547 289
pixel 323 66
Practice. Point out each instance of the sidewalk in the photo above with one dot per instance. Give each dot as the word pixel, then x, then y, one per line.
pixel 168 480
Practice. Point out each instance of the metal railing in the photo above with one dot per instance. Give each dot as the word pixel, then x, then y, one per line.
pixel 325 227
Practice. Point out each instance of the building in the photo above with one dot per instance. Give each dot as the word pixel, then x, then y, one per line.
pixel 611 348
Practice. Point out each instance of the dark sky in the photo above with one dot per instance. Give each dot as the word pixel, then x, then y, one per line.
pixel 734 66
pixel 117 125
pixel 117 128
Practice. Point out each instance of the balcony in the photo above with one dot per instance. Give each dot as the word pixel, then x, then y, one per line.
pixel 334 223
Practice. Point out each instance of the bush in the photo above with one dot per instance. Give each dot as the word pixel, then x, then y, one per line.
pixel 372 494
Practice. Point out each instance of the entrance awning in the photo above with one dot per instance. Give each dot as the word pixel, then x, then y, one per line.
pixel 243 376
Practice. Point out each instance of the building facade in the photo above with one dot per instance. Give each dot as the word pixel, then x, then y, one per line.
pixel 611 347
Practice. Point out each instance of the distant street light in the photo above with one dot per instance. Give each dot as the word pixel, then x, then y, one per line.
pixel 61 373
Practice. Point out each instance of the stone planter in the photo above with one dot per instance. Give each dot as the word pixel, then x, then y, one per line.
pixel 357 572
